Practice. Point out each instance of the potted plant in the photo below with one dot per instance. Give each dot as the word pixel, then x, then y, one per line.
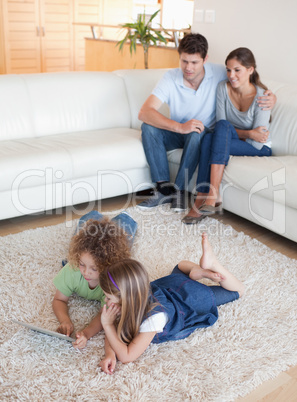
pixel 142 32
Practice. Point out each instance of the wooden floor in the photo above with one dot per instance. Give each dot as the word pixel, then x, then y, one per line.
pixel 284 387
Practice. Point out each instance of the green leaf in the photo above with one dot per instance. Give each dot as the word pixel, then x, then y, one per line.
pixel 153 16
pixel 142 32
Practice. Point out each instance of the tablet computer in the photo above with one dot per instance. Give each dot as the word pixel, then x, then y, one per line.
pixel 45 331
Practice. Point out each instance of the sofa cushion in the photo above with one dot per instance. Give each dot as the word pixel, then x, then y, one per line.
pixel 88 101
pixel 35 105
pixel 16 118
pixel 283 125
pixel 29 162
pixel 110 149
pixel 261 175
pixel 71 156
pixel 139 85
pixel 268 177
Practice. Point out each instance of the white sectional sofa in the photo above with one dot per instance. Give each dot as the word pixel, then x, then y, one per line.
pixel 68 138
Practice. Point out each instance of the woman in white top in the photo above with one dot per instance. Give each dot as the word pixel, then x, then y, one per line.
pixel 241 130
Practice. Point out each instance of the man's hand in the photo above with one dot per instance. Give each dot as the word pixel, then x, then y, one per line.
pixel 108 364
pixel 190 126
pixel 259 134
pixel 65 327
pixel 267 101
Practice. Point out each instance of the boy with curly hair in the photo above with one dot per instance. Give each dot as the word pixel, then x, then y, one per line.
pixel 98 242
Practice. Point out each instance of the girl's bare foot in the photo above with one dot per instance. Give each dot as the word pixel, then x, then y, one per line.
pixel 212 269
pixel 208 264
pixel 198 273
pixel 208 260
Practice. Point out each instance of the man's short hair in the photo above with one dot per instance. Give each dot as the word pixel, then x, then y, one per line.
pixel 193 43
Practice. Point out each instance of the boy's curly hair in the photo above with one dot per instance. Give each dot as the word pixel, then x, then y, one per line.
pixel 104 240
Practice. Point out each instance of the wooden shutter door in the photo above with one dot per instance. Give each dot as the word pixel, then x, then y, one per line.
pixel 21 36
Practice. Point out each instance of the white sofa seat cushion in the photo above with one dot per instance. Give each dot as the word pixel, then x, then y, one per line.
pixel 72 156
pixel 264 176
pixel 109 149
pixel 22 162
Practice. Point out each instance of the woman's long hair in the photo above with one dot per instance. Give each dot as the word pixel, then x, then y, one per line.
pixel 246 59
pixel 134 290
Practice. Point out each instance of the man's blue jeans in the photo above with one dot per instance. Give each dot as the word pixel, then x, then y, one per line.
pixel 216 148
pixel 156 142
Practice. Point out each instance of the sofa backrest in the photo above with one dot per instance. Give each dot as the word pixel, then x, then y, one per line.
pixel 283 125
pixel 139 85
pixel 52 103
pixel 16 117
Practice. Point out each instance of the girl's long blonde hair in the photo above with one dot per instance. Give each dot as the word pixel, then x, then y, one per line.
pixel 133 293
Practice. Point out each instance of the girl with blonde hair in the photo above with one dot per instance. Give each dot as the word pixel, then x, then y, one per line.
pixel 138 312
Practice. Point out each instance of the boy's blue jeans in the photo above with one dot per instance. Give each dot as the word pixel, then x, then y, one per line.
pixel 216 148
pixel 156 142
pixel 123 220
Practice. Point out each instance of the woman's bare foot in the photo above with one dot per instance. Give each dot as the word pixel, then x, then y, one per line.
pixel 198 203
pixel 213 201
pixel 194 213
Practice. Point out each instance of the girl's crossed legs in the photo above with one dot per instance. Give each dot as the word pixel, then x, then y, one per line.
pixel 209 267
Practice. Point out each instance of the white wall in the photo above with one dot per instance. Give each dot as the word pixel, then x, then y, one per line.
pixel 177 14
pixel 267 27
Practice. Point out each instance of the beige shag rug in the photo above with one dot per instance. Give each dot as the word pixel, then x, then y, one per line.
pixel 254 339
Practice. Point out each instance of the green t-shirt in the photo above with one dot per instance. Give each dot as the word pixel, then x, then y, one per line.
pixel 69 281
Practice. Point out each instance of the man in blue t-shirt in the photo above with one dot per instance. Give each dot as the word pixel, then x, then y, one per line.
pixel 190 92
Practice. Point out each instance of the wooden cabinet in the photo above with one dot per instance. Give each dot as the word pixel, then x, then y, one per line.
pixel 85 11
pixel 21 39
pixel 39 35
pixel 56 35
pixel 103 12
pixel 103 55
